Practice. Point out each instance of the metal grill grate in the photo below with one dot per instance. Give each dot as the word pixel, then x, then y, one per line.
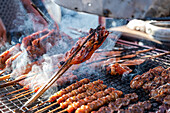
pixel 118 82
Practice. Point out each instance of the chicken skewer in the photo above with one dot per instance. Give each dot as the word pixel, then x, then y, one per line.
pixel 9 62
pixel 89 47
pixel 71 99
pixel 38 46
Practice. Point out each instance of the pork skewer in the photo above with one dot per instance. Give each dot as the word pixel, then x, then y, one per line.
pixel 74 92
pixel 120 102
pixel 81 89
pixel 160 92
pixel 99 102
pixel 115 106
pixel 138 80
pixel 71 99
pixel 92 43
pixel 139 107
pixel 66 90
pixel 88 99
pixel 157 81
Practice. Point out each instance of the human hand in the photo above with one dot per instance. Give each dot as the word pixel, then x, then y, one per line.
pixel 3 37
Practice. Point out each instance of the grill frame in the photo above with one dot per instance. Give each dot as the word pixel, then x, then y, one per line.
pixel 118 82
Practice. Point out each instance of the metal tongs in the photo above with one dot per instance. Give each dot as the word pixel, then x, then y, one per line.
pixel 58 74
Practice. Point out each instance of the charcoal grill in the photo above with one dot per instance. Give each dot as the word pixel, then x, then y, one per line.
pixel 118 82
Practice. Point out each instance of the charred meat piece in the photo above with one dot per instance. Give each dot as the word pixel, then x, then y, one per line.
pixel 75 92
pixel 88 99
pixel 104 109
pixel 27 41
pixel 163 109
pixel 120 102
pixel 99 102
pixel 118 69
pixel 90 91
pixel 156 82
pixel 140 107
pixel 138 81
pixel 89 48
pixel 167 100
pixel 160 92
pixel 68 89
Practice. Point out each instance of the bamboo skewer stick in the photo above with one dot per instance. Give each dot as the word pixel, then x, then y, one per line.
pixel 45 108
pixel 3 71
pixel 122 58
pixel 21 96
pixel 5 77
pixel 21 93
pixel 60 72
pixel 14 81
pixel 54 109
pixel 64 110
pixel 36 106
pixel 12 92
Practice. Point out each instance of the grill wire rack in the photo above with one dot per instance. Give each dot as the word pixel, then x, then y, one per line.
pixel 118 82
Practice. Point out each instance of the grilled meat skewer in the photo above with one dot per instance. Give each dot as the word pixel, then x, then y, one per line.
pixel 7 54
pixel 116 105
pixel 118 69
pixel 157 81
pixel 88 99
pixel 88 49
pixel 68 89
pixel 137 108
pixel 81 89
pixel 70 100
pixel 99 102
pixel 27 41
pixel 160 92
pixel 88 92
pixel 138 80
